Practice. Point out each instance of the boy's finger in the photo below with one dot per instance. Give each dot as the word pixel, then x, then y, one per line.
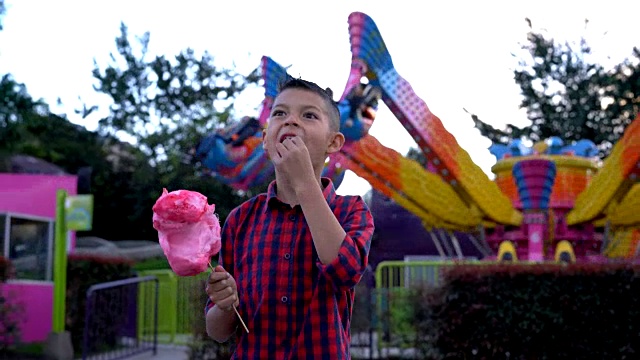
pixel 221 288
pixel 224 299
pixel 297 140
pixel 218 276
pixel 280 149
pixel 286 143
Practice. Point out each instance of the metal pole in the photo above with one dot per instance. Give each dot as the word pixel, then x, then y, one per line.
pixel 60 264
pixel 87 320
pixel 155 319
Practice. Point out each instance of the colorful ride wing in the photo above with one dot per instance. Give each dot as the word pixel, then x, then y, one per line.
pixel 273 74
pixel 610 190
pixel 453 164
pixel 409 184
pixel 627 212
pixel 234 155
pixel 624 243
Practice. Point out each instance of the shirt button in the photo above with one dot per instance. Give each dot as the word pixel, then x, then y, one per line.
pixel 292 217
pixel 284 299
pixel 287 256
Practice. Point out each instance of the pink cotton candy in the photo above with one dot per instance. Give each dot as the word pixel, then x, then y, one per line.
pixel 188 230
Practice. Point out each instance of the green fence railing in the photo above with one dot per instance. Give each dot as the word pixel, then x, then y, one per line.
pixel 178 303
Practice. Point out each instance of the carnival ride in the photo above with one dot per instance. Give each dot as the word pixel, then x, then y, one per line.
pixel 548 202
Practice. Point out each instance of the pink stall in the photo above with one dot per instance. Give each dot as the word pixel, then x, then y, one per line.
pixel 27 214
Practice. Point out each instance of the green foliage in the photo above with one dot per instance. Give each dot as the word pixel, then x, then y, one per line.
pixel 363 308
pixel 201 346
pixel 125 181
pixel 16 102
pixel 3 10
pixel 160 263
pixel 30 351
pixel 166 104
pixel 401 318
pixel 204 348
pixel 73 147
pixel 567 95
pixel 417 155
pixel 5 269
pixel 531 312
pixel 11 313
pixel 121 177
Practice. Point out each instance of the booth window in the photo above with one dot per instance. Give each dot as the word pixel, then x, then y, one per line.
pixel 27 243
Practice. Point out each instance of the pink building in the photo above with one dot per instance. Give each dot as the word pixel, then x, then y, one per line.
pixel 27 215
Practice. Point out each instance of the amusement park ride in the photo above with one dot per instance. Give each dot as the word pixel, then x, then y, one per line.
pixel 548 202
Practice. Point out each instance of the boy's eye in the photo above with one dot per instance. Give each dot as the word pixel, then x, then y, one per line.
pixel 311 115
pixel 277 113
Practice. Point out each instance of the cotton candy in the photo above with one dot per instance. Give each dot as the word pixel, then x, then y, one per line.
pixel 188 230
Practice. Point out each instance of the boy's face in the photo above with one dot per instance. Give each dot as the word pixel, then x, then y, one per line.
pixel 300 112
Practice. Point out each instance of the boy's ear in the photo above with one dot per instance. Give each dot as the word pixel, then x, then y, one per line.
pixel 264 142
pixel 336 142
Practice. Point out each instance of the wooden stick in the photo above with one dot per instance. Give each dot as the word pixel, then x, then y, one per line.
pixel 234 307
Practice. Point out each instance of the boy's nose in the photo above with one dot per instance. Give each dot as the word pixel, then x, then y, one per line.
pixel 292 120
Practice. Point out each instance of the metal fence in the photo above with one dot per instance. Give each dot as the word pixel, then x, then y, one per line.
pixel 181 311
pixel 396 283
pixel 381 326
pixel 115 326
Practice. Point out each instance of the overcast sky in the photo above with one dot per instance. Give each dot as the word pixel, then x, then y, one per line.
pixel 455 54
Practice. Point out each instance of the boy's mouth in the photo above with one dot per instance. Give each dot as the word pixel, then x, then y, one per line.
pixel 285 137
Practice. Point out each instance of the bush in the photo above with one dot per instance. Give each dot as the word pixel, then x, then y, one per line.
pixel 6 269
pixel 10 313
pixel 531 312
pixel 83 271
pixel 160 263
pixel 202 347
pixel 363 309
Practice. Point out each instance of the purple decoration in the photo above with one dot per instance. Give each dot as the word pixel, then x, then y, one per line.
pixel 400 233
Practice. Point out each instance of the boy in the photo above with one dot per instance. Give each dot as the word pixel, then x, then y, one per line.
pixel 292 256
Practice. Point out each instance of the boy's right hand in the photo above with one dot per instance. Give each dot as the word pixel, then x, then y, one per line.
pixel 222 290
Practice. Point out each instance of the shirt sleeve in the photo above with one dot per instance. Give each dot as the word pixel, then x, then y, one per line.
pixel 346 270
pixel 225 256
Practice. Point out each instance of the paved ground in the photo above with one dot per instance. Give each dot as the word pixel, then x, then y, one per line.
pixel 165 352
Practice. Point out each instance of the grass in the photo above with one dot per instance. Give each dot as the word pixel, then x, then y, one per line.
pixel 27 351
pixel 159 263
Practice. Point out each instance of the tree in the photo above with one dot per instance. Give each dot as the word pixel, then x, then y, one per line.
pixel 27 127
pixel 16 101
pixel 623 92
pixel 115 180
pixel 3 10
pixel 166 106
pixel 417 155
pixel 567 95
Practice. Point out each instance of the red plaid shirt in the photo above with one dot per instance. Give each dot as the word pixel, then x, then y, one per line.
pixel 294 306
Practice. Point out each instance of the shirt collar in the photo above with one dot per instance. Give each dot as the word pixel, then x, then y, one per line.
pixel 328 191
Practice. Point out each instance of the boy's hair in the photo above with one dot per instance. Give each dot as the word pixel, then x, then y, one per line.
pixel 325 94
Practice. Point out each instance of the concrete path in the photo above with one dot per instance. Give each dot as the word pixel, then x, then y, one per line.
pixel 165 352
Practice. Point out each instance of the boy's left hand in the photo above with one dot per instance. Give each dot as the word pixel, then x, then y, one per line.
pixel 293 161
